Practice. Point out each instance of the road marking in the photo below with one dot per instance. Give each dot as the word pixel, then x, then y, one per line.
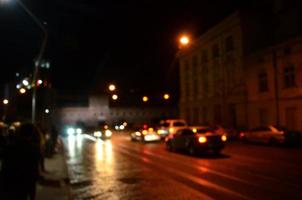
pixel 199 181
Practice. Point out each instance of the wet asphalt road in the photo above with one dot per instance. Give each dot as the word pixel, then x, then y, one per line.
pixel 121 169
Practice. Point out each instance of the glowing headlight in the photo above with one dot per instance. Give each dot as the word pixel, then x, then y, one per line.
pixel 122 127
pixel 108 133
pixel 70 131
pixel 171 130
pixel 79 131
pixel 97 134
pixel 224 138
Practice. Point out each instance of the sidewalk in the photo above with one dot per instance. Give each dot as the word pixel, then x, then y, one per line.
pixel 55 182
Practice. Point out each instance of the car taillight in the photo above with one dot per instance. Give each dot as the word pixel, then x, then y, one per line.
pixel 241 135
pixel 202 139
pixel 224 138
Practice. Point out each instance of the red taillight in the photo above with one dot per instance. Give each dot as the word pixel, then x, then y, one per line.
pixel 241 135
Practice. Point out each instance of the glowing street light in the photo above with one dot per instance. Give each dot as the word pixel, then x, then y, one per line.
pixel 112 87
pixel 145 99
pixel 166 96
pixel 184 40
pixel 5 101
pixel 22 90
pixel 46 111
pixel 39 82
pixel 114 97
pixel 25 82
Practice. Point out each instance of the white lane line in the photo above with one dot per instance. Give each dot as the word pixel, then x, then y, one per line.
pixel 198 180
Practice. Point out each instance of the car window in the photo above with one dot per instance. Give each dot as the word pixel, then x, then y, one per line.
pixel 166 124
pixel 187 132
pixel 179 124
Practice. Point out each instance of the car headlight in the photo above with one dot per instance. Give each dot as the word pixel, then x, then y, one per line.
pixel 224 138
pixel 70 131
pixel 79 131
pixel 108 133
pixel 202 139
pixel 97 134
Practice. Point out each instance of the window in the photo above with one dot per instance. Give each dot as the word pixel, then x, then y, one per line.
pixel 289 76
pixel 262 78
pixel 204 56
pixel 229 44
pixel 215 51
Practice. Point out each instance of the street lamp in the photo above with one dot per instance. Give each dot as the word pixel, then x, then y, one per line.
pixel 114 97
pixel 166 96
pixel 39 57
pixel 184 40
pixel 5 101
pixel 22 90
pixel 112 87
pixel 145 99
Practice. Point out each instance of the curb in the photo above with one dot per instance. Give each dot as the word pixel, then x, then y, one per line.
pixel 66 182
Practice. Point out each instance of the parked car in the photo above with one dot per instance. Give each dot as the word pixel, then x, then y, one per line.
pixel 102 132
pixel 171 126
pixel 145 133
pixel 196 140
pixel 271 135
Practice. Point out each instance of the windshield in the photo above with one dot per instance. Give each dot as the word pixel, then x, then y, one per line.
pixel 179 124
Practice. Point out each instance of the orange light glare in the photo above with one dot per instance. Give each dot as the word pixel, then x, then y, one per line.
pixel 202 139
pixel 224 138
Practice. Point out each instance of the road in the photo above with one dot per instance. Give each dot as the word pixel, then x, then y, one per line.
pixel 121 169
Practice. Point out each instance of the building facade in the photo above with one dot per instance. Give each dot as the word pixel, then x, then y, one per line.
pixel 235 76
pixel 274 77
pixel 97 110
pixel 212 77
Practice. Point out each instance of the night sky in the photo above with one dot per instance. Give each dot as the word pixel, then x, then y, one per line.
pixel 96 42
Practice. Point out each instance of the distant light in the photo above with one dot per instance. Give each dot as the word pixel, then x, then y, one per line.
pixel 25 82
pixel 145 98
pixel 79 131
pixel 17 74
pixel 116 127
pixel 184 40
pixel 122 127
pixel 108 133
pixel 114 97
pixel 112 87
pixel 22 90
pixel 125 124
pixel 39 82
pixel 5 101
pixel 47 65
pixel 70 131
pixel 46 111
pixel 166 96
pixel 18 86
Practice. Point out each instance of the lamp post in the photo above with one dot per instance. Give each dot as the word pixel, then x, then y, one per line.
pixel 39 58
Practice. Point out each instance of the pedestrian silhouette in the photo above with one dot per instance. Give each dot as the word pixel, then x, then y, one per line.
pixel 20 167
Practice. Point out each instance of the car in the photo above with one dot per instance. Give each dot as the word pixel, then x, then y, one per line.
pixel 72 130
pixel 170 126
pixel 271 135
pixel 196 140
pixel 145 134
pixel 102 132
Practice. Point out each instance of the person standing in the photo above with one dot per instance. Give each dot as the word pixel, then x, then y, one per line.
pixel 20 167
